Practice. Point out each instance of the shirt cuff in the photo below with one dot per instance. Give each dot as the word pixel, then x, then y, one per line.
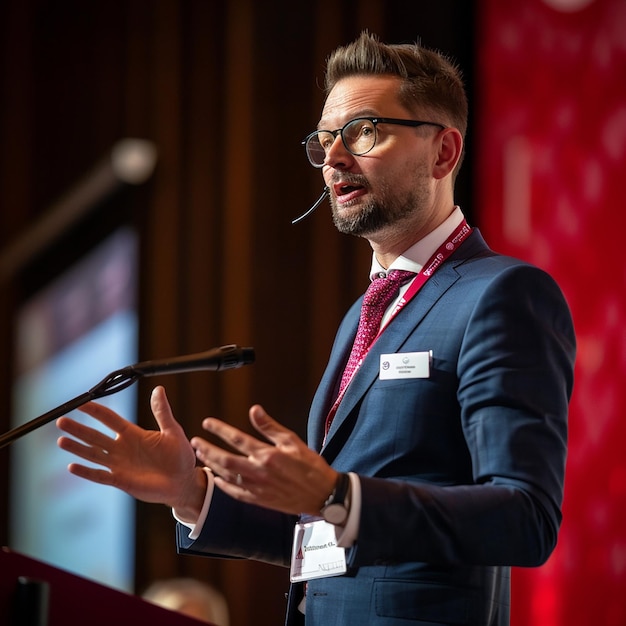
pixel 347 535
pixel 196 527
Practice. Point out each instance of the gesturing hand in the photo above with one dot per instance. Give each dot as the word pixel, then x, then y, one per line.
pixel 283 474
pixel 151 465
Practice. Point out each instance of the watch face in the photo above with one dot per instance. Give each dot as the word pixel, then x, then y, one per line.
pixel 336 508
pixel 335 513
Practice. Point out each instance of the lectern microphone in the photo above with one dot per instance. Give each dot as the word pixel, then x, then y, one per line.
pixel 225 357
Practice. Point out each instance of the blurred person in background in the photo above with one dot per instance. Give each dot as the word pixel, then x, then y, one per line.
pixel 190 597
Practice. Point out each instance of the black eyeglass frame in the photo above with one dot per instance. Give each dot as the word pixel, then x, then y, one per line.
pixel 375 121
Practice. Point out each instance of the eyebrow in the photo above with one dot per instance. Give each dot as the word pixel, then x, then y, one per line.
pixel 365 113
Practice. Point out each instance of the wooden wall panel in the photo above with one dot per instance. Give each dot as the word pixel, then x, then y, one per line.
pixel 226 90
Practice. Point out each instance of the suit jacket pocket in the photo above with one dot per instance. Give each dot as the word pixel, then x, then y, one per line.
pixel 422 601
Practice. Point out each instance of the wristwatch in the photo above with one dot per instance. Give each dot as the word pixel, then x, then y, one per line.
pixel 336 508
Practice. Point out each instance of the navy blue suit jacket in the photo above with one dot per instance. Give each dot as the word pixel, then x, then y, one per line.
pixel 461 472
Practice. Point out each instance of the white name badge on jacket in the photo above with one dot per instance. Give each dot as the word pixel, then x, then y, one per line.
pixel 315 553
pixel 405 365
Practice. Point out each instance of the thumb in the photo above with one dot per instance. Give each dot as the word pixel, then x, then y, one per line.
pixel 162 410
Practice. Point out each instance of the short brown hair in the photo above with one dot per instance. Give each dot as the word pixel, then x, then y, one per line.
pixel 430 80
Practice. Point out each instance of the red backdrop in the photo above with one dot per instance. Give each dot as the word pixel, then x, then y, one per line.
pixel 551 168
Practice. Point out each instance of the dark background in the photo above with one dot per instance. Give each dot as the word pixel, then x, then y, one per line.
pixel 226 90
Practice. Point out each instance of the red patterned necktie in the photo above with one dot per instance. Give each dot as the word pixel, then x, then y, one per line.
pixel 376 300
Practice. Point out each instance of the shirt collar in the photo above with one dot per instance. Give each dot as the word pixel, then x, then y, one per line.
pixel 420 252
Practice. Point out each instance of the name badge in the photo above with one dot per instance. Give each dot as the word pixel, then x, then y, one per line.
pixel 315 553
pixel 405 365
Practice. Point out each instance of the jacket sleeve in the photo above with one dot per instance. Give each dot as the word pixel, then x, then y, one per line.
pixel 236 530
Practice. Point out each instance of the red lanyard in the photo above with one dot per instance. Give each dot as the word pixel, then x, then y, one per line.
pixel 460 233
pixel 432 265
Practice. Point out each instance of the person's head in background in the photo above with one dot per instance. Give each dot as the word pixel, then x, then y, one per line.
pixel 189 597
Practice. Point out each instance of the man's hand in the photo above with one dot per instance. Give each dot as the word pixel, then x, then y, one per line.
pixel 151 465
pixel 283 474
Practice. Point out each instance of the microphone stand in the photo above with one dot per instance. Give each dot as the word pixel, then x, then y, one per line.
pixel 225 357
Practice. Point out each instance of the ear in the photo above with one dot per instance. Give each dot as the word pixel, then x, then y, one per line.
pixel 450 150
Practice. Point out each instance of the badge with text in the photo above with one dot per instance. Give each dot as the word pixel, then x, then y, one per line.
pixel 405 365
pixel 315 552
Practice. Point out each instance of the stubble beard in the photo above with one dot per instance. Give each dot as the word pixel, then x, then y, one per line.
pixel 377 213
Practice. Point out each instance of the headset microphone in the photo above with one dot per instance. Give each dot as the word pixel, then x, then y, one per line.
pixel 317 203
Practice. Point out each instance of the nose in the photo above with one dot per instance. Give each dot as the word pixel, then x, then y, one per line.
pixel 338 156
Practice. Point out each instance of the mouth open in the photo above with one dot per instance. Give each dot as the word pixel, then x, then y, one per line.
pixel 348 188
pixel 344 192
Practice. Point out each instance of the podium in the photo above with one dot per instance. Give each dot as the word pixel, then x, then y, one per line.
pixel 33 593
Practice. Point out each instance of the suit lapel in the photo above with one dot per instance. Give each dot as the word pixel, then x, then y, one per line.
pixel 389 342
pixel 329 384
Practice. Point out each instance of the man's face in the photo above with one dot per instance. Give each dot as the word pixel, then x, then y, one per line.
pixel 389 186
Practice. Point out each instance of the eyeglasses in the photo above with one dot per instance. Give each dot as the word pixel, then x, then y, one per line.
pixel 358 135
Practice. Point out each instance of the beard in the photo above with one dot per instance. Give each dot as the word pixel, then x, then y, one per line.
pixel 382 210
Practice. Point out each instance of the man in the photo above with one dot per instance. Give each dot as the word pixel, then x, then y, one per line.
pixel 435 460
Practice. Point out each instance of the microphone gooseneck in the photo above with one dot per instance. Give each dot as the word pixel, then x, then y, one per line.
pixel 225 357
pixel 317 203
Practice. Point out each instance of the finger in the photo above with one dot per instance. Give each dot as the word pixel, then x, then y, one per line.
pixel 93 454
pixel 102 477
pixel 105 416
pixel 231 469
pixel 235 438
pixel 269 427
pixel 235 487
pixel 221 462
pixel 86 434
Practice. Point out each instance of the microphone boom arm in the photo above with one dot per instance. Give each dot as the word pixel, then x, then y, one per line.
pixel 226 357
